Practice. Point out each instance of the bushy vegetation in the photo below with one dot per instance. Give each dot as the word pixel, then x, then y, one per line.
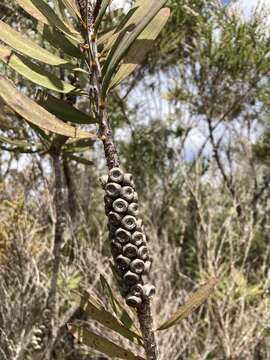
pixel 191 123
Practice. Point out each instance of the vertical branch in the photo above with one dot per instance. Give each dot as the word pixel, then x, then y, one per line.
pixel 146 324
pixel 52 302
pixel 72 200
pixel 112 158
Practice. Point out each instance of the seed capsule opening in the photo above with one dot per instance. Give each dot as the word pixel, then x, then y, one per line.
pixel 123 261
pixel 130 251
pixel 116 175
pixel 137 266
pixel 133 301
pixel 129 222
pixel 131 278
pixel 138 238
pixel 127 193
pixel 113 189
pixel 122 235
pixel 120 205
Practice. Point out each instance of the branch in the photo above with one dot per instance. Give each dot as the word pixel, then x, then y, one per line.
pixel 112 158
pixel 52 301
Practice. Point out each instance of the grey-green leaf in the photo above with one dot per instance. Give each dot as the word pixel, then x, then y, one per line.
pixel 140 47
pixel 120 312
pixel 34 72
pixel 41 11
pixel 63 110
pixel 35 114
pixel 79 159
pixel 27 47
pixel 196 300
pixel 104 6
pixel 59 40
pixel 97 312
pixel 102 344
pixel 124 41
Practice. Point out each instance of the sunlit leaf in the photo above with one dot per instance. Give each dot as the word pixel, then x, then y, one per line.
pixel 27 47
pixel 125 40
pixel 195 300
pixel 35 114
pixel 141 46
pixel 132 18
pixel 72 8
pixel 102 344
pixel 16 142
pixel 34 72
pixel 98 313
pixel 80 160
pixel 63 110
pixel 42 12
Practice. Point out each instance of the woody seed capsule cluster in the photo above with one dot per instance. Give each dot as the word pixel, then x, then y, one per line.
pixel 127 237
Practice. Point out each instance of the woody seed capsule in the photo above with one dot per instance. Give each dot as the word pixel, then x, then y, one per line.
pixel 116 248
pixel 130 251
pixel 135 196
pixel 133 301
pixel 120 205
pixel 143 253
pixel 137 290
pixel 137 266
pixel 139 225
pixel 127 193
pixel 116 175
pixel 122 235
pixel 148 291
pixel 103 180
pixel 129 222
pixel 112 189
pixel 128 178
pixel 137 238
pixel 131 278
pixel 124 288
pixel 133 209
pixel 114 218
pixel 123 261
pixel 147 267
pixel 108 204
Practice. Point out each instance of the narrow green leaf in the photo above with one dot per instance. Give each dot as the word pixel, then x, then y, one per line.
pixel 195 300
pixel 102 344
pixel 98 313
pixel 125 40
pixel 140 47
pixel 16 142
pixel 102 11
pixel 42 12
pixel 80 160
pixel 75 146
pixel 72 8
pixel 34 72
pixel 59 40
pixel 63 110
pixel 27 47
pixel 118 309
pixel 132 18
pixel 35 114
